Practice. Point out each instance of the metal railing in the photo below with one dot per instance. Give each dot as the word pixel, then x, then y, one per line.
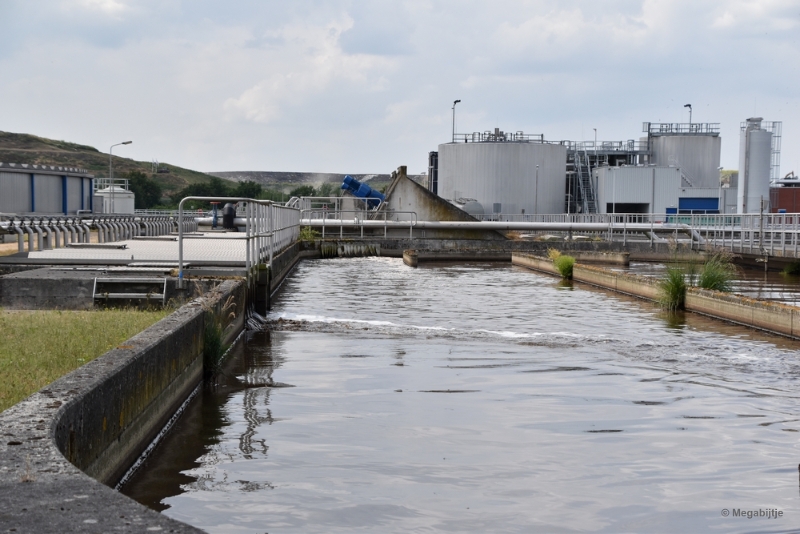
pixel 656 128
pixel 269 228
pixel 381 219
pixel 62 231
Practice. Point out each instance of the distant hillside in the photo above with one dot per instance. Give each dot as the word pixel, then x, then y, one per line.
pixel 26 148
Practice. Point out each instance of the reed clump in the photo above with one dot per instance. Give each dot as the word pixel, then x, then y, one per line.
pixel 672 288
pixel 38 347
pixel 717 274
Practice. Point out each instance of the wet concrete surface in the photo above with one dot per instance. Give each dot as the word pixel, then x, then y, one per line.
pixel 483 398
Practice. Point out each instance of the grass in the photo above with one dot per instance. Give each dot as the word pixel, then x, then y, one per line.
pixel 717 273
pixel 564 264
pixel 37 347
pixel 673 290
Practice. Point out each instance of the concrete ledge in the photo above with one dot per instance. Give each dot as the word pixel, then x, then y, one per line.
pixel 410 258
pixel 98 419
pixel 772 317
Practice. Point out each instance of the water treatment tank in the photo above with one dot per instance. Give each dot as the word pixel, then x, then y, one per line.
pixel 504 175
pixel 755 152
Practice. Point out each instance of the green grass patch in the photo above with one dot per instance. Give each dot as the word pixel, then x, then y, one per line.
pixel 37 347
pixel 564 264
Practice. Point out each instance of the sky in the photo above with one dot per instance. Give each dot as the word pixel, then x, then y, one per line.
pixel 352 86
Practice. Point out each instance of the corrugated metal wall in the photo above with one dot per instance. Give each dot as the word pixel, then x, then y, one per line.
pixel 48 189
pixel 505 174
pixel 697 155
pixel 15 192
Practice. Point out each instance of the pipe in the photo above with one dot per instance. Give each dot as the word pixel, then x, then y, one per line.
pixel 20 238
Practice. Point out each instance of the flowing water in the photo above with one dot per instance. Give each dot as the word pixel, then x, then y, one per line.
pixel 484 398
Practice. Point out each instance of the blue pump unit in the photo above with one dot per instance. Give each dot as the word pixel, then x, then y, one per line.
pixel 364 191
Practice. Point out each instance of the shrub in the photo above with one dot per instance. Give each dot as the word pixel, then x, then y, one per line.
pixel 308 234
pixel 672 290
pixel 564 265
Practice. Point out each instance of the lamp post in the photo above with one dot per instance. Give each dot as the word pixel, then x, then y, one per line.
pixel 536 194
pixel 454 120
pixel 111 170
pixel 690 112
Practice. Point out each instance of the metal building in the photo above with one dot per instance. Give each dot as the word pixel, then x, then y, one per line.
pixel 44 189
pixel 637 189
pixel 510 173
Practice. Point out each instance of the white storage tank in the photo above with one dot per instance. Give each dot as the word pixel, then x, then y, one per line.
pixel 502 175
pixel 755 153
pixel 114 199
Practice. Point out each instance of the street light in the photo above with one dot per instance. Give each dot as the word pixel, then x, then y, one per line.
pixel 454 119
pixel 595 145
pixel 690 112
pixel 111 170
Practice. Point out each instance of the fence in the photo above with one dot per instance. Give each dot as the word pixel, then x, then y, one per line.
pixel 269 228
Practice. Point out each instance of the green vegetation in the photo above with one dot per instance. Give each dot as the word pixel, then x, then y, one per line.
pixel 717 273
pixel 38 347
pixel 673 290
pixel 793 269
pixel 146 190
pixel 216 325
pixel 564 265
pixel 308 234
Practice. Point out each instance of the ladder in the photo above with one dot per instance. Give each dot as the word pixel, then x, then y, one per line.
pixel 584 173
pixel 147 289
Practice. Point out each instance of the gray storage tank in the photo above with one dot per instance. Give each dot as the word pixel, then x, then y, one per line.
pixel 755 154
pixel 502 175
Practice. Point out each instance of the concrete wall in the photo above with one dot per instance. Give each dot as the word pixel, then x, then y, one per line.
pixel 98 419
pixel 770 316
pixel 405 195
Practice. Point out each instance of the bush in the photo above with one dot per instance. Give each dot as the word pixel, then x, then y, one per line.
pixel 564 265
pixel 308 234
pixel 672 290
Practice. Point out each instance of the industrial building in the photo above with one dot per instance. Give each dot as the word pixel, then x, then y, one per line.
pixel 674 168
pixel 44 190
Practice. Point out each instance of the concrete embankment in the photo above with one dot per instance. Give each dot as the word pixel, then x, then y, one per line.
pixel 89 426
pixel 770 316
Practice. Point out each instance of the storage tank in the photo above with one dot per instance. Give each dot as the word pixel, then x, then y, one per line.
pixel 698 156
pixel 755 153
pixel 503 177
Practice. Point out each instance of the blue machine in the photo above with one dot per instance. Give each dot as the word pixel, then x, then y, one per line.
pixel 364 191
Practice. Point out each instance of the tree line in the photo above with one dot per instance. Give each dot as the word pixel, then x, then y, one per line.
pixel 149 194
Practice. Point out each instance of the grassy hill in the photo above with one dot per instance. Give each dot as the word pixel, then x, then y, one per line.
pixel 31 149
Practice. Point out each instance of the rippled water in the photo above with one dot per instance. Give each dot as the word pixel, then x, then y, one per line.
pixel 484 398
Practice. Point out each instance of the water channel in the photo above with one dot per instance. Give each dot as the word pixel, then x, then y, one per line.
pixel 484 398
